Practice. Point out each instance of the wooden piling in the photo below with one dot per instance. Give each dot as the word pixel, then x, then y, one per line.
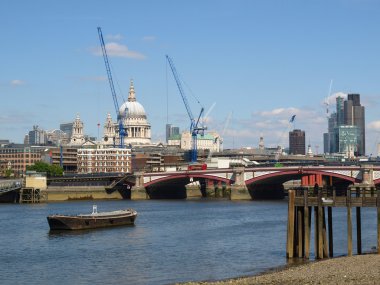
pixel 307 216
pixel 300 213
pixel 290 236
pixel 299 232
pixel 324 234
pixel 330 227
pixel 349 224
pixel 320 225
pixel 358 230
pixel 378 221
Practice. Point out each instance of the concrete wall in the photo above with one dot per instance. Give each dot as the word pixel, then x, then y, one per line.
pixel 60 193
pixel 37 182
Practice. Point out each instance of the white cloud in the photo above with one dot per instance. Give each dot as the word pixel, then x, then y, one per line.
pixel 17 82
pixel 375 125
pixel 117 37
pixel 118 50
pixel 149 38
pixel 280 112
pixel 331 100
pixel 274 126
pixel 283 115
pixel 93 78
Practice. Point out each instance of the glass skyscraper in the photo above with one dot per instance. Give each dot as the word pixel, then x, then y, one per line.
pixel 346 127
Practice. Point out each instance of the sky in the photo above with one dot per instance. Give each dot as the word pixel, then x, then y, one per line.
pixel 250 64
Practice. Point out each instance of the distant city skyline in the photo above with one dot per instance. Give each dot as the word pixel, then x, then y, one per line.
pixel 262 61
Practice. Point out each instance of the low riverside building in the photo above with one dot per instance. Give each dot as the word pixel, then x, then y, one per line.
pixel 64 156
pixel 17 157
pixel 104 160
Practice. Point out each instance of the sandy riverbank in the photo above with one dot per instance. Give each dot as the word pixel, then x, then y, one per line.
pixel 359 269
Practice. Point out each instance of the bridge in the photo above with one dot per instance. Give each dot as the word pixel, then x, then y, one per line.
pixel 239 183
pixel 247 183
pixel 8 190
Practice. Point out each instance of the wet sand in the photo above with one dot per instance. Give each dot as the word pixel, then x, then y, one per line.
pixel 359 269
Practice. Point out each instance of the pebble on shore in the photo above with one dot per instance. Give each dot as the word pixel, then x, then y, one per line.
pixel 359 269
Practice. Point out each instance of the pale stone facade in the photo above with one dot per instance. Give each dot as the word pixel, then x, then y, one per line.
pixel 109 131
pixel 104 160
pixel 135 120
pixel 58 137
pixel 211 141
pixel 77 137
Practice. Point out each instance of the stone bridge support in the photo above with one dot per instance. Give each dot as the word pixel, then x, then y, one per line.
pixel 367 174
pixel 138 191
pixel 367 184
pixel 239 190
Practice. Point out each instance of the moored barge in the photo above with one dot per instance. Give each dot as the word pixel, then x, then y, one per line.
pixel 93 220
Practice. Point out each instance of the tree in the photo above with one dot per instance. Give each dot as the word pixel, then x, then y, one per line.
pixel 50 170
pixel 8 173
pixel 56 170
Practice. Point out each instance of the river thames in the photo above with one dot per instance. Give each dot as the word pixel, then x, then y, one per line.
pixel 172 241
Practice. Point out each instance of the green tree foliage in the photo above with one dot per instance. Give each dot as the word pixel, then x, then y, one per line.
pixel 8 173
pixel 51 170
pixel 56 170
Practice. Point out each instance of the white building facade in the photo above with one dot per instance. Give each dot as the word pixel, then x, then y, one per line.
pixel 77 136
pixel 104 160
pixel 210 141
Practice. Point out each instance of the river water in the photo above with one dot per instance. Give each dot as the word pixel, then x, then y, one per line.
pixel 172 241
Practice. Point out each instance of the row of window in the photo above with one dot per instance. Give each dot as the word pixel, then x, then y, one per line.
pixel 104 164
pixel 20 155
pixel 102 158
pixel 103 153
pixel 102 170
pixel 27 161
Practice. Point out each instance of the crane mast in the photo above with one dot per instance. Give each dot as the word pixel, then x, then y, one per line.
pixel 194 128
pixel 121 129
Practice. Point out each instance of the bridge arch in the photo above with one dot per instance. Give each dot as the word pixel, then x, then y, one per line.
pixel 297 174
pixel 178 186
pixel 182 177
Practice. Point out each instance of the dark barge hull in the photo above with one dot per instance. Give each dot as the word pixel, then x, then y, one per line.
pixel 82 222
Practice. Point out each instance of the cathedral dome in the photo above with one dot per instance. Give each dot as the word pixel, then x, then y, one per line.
pixel 132 108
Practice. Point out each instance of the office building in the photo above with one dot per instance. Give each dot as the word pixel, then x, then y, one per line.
pixel 354 115
pixel 37 136
pixel 171 131
pixel 297 142
pixel 346 122
pixel 348 139
pixel 104 160
pixel 67 128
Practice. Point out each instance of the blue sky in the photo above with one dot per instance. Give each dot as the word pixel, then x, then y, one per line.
pixel 260 62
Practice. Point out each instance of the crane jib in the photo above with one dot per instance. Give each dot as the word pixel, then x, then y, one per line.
pixel 121 128
pixel 194 128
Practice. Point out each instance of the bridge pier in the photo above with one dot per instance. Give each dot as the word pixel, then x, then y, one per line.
pixel 367 174
pixel 138 191
pixel 239 190
pixel 211 189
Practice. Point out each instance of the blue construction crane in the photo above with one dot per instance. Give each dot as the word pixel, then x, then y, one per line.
pixel 120 129
pixel 195 129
